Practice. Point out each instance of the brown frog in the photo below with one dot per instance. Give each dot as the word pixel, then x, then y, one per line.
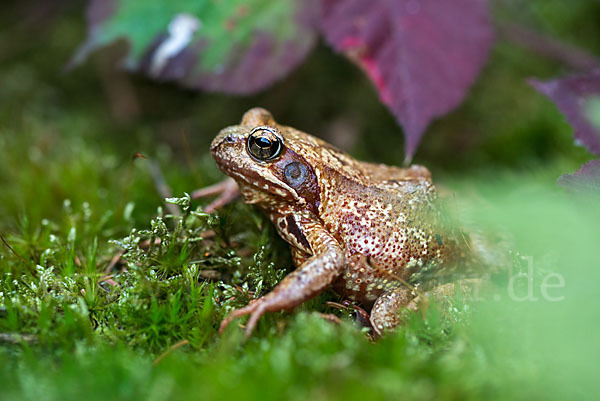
pixel 366 229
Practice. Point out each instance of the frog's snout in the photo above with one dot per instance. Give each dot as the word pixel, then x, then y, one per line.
pixel 227 146
pixel 214 146
pixel 225 137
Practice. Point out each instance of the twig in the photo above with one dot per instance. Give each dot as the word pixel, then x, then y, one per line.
pixel 330 317
pixel 163 189
pixel 170 350
pixel 113 261
pixel 108 280
pixel 188 155
pixel 549 47
pixel 29 266
pixel 336 305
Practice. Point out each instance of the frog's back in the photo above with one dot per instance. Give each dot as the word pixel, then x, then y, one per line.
pixel 385 217
pixel 390 226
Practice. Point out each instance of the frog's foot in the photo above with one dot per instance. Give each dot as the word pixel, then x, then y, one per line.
pixel 227 190
pixel 314 276
pixel 391 307
pixel 386 313
pixel 255 310
pixel 272 302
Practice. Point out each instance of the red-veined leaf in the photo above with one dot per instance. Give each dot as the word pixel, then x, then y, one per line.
pixel 422 55
pixel 586 179
pixel 578 98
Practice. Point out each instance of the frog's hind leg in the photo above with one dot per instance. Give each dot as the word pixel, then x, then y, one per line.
pixel 389 308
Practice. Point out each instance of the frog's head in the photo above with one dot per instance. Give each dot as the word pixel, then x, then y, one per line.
pixel 270 163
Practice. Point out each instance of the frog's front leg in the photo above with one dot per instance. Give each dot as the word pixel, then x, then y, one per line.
pixel 311 278
pixel 227 190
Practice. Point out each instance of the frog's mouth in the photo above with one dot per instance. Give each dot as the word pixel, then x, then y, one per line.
pixel 247 175
pixel 260 184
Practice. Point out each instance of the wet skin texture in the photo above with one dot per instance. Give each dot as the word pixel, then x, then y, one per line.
pixel 367 230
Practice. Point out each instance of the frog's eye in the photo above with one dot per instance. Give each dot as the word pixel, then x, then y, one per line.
pixel 264 143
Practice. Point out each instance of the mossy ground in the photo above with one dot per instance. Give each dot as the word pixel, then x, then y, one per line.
pixel 74 325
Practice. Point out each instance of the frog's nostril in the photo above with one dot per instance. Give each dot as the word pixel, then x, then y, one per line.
pixel 221 140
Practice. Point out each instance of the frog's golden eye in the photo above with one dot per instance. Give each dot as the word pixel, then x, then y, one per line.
pixel 264 143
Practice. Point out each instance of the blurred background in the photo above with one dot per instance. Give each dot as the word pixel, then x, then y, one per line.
pixel 504 122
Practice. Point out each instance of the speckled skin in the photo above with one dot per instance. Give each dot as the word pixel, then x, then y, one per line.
pixel 365 229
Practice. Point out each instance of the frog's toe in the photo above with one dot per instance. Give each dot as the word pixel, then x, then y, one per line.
pixel 234 315
pixel 226 191
pixel 256 314
pixel 255 310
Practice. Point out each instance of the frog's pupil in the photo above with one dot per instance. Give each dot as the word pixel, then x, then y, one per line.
pixel 263 142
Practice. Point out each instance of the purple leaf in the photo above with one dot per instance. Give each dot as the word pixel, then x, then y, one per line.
pixel 578 98
pixel 586 179
pixel 223 46
pixel 422 55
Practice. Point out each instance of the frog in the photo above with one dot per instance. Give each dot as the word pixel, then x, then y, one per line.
pixel 366 230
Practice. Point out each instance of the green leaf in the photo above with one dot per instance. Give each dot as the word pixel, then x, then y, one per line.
pixel 231 46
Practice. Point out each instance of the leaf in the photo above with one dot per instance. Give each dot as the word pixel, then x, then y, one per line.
pixel 578 98
pixel 586 179
pixel 231 46
pixel 422 55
